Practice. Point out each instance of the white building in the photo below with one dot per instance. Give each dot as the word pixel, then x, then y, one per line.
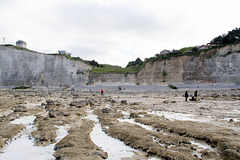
pixel 21 43
pixel 164 52
pixel 64 52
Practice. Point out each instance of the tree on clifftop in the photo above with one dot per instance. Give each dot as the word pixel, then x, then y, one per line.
pixel 232 36
pixel 137 62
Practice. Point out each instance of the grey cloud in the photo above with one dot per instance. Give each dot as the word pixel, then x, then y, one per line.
pixel 96 18
pixel 84 52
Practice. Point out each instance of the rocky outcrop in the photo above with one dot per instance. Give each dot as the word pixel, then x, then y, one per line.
pixel 23 67
pixel 78 144
pixel 8 132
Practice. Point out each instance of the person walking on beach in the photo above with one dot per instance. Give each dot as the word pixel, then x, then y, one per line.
pixel 101 91
pixel 195 95
pixel 186 95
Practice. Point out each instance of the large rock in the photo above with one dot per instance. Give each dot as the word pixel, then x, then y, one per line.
pixel 45 137
pixel 81 103
pixel 78 145
pixel 9 130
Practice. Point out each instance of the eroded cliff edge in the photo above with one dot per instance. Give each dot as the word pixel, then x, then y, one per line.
pixel 213 66
pixel 22 67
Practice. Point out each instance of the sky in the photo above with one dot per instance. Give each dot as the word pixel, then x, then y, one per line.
pixel 115 31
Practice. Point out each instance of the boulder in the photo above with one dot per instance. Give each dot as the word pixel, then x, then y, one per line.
pixel 50 102
pixel 9 130
pixel 124 102
pixel 134 115
pixel 105 110
pixel 54 113
pixel 81 103
pixel 44 137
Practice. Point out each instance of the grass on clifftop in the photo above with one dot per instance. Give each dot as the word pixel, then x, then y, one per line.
pixel 114 69
pixel 18 48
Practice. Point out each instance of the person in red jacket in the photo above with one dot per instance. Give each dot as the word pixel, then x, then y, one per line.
pixel 101 91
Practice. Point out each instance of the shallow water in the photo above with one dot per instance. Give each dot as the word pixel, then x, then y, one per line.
pixel 179 116
pixel 23 147
pixel 116 149
pixel 132 121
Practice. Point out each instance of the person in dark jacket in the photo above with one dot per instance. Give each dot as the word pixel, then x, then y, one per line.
pixel 186 95
pixel 195 95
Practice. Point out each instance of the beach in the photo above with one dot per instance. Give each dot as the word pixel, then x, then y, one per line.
pixel 136 122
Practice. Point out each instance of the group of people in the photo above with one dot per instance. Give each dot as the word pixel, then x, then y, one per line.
pixel 194 98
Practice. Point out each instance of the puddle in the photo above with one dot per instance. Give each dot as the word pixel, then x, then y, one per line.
pixel 147 127
pixel 202 145
pixel 231 119
pixel 178 116
pixel 150 128
pixel 115 148
pixel 23 147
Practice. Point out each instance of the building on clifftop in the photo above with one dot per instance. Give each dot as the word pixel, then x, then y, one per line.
pixel 64 52
pixel 21 43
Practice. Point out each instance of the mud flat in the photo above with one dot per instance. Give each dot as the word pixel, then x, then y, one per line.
pixel 124 125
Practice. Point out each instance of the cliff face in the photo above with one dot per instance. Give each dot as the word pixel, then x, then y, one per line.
pixel 20 67
pixel 214 66
pixel 113 79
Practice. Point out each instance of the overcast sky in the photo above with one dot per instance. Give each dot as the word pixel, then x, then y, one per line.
pixel 115 31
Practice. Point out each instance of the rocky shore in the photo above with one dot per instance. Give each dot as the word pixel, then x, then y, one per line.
pixel 154 124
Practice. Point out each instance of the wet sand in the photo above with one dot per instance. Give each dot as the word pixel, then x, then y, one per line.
pixel 148 123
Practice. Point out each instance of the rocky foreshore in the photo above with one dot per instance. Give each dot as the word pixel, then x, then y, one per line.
pixel 155 124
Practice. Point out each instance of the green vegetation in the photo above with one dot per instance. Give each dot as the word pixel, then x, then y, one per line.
pixel 231 37
pixel 132 68
pixel 164 71
pixel 19 48
pixel 137 62
pixel 188 51
pixel 21 87
pixel 114 69
pixel 73 58
pixel 172 86
pixel 80 72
